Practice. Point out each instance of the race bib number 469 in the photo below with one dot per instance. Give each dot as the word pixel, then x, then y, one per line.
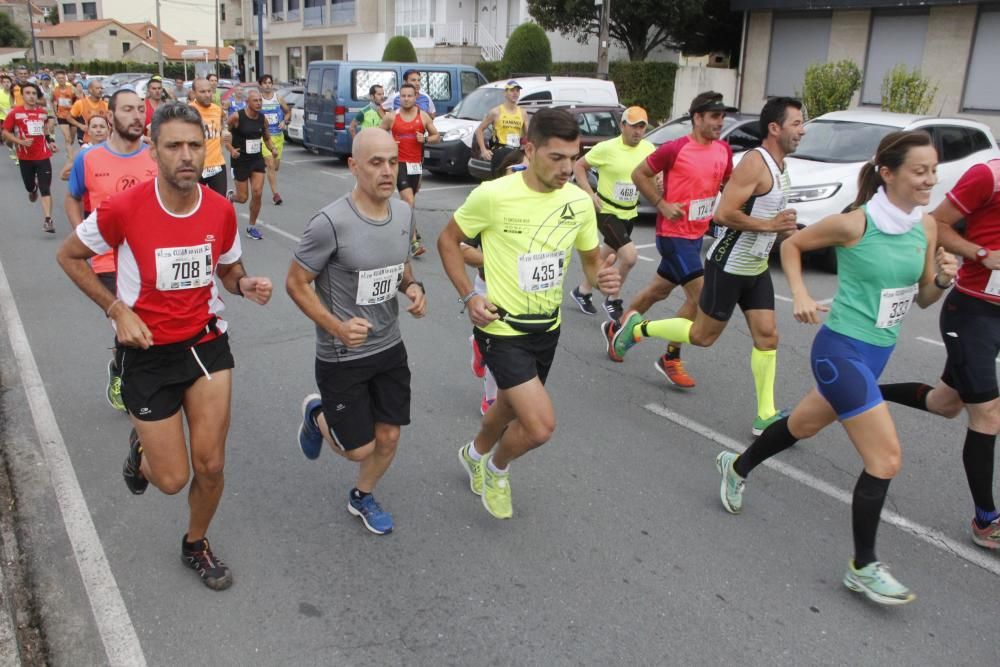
pixel 183 268
pixel 540 271
pixel 378 285
pixel 626 191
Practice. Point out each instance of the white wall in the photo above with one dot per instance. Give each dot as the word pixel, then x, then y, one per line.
pixel 180 21
pixel 693 80
pixel 366 46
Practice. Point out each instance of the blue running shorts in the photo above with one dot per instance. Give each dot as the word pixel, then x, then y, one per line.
pixel 847 372
pixel 680 259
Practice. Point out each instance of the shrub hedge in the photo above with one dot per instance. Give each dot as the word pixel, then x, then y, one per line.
pixel 399 49
pixel 170 70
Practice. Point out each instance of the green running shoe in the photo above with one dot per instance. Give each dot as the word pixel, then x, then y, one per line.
pixel 474 468
pixel 624 338
pixel 760 424
pixel 496 491
pixel 114 391
pixel 877 584
pixel 731 489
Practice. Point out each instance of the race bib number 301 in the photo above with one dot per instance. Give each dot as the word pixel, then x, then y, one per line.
pixel 378 285
pixel 183 268
pixel 540 271
pixel 893 306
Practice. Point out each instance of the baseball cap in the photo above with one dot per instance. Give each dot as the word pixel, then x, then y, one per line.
pixel 709 101
pixel 634 116
pixel 512 84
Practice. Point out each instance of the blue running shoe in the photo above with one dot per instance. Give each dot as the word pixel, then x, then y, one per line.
pixel 310 437
pixel 254 233
pixel 376 519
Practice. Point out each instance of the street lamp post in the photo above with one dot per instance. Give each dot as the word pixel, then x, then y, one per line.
pixel 34 44
pixel 260 38
pixel 602 48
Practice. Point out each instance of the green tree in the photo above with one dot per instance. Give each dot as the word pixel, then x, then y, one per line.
pixel 528 51
pixel 10 33
pixel 399 49
pixel 830 87
pixel 907 91
pixel 693 26
pixel 53 17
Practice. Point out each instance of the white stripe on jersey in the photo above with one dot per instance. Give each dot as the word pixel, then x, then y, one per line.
pixel 89 234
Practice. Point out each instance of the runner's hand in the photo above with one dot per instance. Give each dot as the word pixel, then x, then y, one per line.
pixel 130 329
pixel 806 310
pixel 234 152
pixel 785 221
pixel 257 290
pixel 421 137
pixel 481 311
pixel 947 264
pixel 670 211
pixel 487 154
pixel 609 280
pixel 418 307
pixel 597 202
pixel 353 332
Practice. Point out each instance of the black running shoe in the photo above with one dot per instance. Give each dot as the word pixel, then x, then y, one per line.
pixel 134 480
pixel 613 308
pixel 584 301
pixel 199 557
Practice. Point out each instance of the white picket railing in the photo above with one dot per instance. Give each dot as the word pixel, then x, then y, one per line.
pixel 492 49
pixel 465 33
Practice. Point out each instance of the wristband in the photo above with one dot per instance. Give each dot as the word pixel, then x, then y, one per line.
pixel 939 285
pixel 466 299
pixel 107 313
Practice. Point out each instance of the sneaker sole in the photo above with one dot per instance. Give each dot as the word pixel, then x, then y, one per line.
pixel 666 376
pixel 853 584
pixel 305 403
pixel 468 470
pixel 722 488
pixel 492 513
pixel 609 348
pixel 216 584
pixel 354 512
pixel 986 544
pixel 581 306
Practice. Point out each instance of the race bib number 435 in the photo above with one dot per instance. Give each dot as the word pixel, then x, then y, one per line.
pixel 893 306
pixel 183 268
pixel 540 271
pixel 378 285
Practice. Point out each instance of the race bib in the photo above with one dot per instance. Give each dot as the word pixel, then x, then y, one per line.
pixel 626 191
pixel 378 285
pixel 253 146
pixel 763 244
pixel 893 306
pixel 699 209
pixel 540 271
pixel 210 172
pixel 36 128
pixel 272 118
pixel 513 140
pixel 414 168
pixel 183 268
pixel 993 286
pixel 65 102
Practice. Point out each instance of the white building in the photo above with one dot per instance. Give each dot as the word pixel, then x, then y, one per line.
pixel 190 20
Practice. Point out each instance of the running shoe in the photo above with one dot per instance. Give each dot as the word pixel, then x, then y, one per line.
pixel 199 557
pixel 376 519
pixel 584 301
pixel 310 437
pixel 988 537
pixel 473 468
pixel 877 584
pixel 254 233
pixel 496 491
pixel 608 329
pixel 230 194
pixel 613 307
pixel 417 248
pixel 731 489
pixel 114 391
pixel 478 363
pixel 33 196
pixel 278 201
pixel 48 226
pixel 760 424
pixel 485 405
pixel 134 480
pixel 673 370
pixel 624 338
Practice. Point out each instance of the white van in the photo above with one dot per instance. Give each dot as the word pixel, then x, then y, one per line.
pixel 458 127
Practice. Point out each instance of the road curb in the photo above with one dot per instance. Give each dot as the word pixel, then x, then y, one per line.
pixel 10 652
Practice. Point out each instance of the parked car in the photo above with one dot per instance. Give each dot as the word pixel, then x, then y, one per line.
pixel 451 156
pixel 116 81
pixel 294 96
pixel 337 89
pixel 295 126
pixel 597 123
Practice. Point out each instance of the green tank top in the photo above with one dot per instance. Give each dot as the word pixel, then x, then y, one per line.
pixel 877 283
pixel 370 117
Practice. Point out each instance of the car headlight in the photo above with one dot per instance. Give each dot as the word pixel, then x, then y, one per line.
pixel 813 193
pixel 459 134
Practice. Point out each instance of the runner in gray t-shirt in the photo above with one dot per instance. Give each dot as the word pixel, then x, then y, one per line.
pixel 352 261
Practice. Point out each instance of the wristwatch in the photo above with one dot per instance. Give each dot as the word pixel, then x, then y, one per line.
pixel 981 254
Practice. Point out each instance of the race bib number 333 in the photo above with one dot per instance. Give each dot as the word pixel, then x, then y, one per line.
pixel 540 271
pixel 893 305
pixel 183 268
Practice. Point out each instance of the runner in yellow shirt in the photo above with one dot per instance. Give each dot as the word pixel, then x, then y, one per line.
pixel 510 126
pixel 528 223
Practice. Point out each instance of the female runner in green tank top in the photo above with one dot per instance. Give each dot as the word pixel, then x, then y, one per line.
pixel 886 261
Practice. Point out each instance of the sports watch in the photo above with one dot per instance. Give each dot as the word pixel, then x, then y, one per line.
pixel 981 254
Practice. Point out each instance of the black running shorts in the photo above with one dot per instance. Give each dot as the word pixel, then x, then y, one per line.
pixel 616 232
pixel 514 360
pixel 970 329
pixel 723 291
pixel 218 183
pixel 154 381
pixel 359 393
pixel 243 169
pixel 37 174
pixel 406 181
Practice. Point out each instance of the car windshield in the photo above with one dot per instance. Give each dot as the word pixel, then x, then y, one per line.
pixel 841 141
pixel 478 103
pixel 679 128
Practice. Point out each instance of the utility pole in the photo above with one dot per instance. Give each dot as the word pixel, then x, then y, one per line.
pixel 34 44
pixel 217 71
pixel 602 47
pixel 260 37
pixel 159 41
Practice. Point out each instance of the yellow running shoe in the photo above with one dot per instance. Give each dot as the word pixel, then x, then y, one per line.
pixel 496 491
pixel 474 468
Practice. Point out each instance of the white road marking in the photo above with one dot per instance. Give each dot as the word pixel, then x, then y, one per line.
pixel 645 245
pixel 447 187
pixel 276 230
pixel 645 259
pixel 788 299
pixel 309 159
pixel 938 343
pixel 121 644
pixel 934 538
pixel 335 174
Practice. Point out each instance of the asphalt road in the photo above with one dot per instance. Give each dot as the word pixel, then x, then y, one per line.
pixel 619 550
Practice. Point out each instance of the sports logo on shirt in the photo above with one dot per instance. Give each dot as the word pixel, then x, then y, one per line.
pixel 126 182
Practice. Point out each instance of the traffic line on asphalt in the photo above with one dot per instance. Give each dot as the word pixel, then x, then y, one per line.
pixel 925 534
pixel 448 187
pixel 308 159
pixel 276 230
pixel 335 174
pixel 938 343
pixel 121 643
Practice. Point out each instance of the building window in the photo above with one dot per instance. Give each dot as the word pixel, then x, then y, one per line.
pixel 413 17
pixel 314 10
pixel 52 47
pixel 294 12
pixel 72 49
pixel 797 41
pixel 342 11
pixel 113 33
pixel 89 10
pixel 126 47
pixel 222 12
pixel 982 86
pixel 896 38
pixel 364 79
pixel 41 46
pixel 295 63
pixel 277 10
pixel 69 11
pixel 313 53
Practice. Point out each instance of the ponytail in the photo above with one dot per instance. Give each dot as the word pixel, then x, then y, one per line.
pixel 891 154
pixel 869 181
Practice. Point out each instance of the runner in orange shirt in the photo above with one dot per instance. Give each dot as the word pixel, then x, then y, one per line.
pixel 85 108
pixel 63 97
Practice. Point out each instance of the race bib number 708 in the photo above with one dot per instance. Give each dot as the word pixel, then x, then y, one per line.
pixel 183 268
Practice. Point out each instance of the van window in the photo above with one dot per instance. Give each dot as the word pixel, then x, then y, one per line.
pixel 329 87
pixel 955 142
pixel 598 123
pixel 436 84
pixel 470 81
pixel 363 79
pixel 542 96
pixel 312 85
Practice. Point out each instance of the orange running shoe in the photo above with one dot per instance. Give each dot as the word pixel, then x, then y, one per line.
pixel 673 370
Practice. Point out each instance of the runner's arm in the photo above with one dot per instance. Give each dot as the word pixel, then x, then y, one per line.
pixel 414 291
pixel 947 216
pixel 481 132
pixel 387 120
pixel 645 179
pixel 940 267
pixel 449 247
pixel 741 187
pixel 298 284
pixel 472 256
pixel 236 281
pixel 433 136
pixel 602 275
pixel 74 210
pixel 268 142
